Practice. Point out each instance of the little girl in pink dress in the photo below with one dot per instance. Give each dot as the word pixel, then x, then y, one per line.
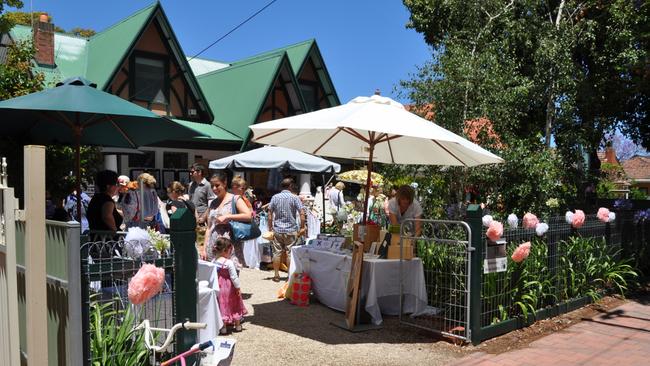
pixel 231 304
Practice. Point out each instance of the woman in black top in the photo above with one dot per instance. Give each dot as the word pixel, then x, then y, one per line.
pixel 102 213
pixel 177 198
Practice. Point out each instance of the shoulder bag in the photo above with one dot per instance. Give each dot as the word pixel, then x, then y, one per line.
pixel 242 230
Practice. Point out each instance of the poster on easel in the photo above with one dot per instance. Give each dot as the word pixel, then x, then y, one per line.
pixel 352 293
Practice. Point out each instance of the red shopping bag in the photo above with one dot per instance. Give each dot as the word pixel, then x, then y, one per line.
pixel 300 289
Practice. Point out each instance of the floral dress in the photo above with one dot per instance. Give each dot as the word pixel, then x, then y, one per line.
pixel 223 231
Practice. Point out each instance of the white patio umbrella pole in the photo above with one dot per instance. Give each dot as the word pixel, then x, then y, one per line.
pixel 368 178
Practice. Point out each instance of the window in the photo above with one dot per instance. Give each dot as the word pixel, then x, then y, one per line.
pixel 310 94
pixel 175 160
pixel 146 160
pixel 150 80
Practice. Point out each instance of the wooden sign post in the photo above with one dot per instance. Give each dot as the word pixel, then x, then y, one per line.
pixel 354 282
pixel 353 294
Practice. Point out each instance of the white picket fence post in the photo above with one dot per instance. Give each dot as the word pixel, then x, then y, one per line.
pixel 35 253
pixel 9 320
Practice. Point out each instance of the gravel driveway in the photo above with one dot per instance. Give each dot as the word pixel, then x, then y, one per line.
pixel 277 332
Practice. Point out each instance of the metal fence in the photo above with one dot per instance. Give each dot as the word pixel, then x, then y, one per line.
pixel 444 248
pixel 555 271
pixel 106 269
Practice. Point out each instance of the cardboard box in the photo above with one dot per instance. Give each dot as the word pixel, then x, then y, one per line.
pixel 393 252
pixel 371 235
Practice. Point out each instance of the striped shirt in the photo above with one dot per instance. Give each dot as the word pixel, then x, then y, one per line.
pixel 284 207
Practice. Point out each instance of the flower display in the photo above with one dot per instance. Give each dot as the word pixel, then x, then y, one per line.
pixel 603 214
pixel 578 219
pixel 487 219
pixel 623 204
pixel 494 231
pixel 541 229
pixel 530 221
pixel 513 221
pixel 521 253
pixel 146 283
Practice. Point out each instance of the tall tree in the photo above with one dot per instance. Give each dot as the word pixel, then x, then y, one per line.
pixel 6 24
pixel 562 70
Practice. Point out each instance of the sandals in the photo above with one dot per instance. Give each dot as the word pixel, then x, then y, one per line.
pixel 223 331
pixel 276 278
pixel 237 328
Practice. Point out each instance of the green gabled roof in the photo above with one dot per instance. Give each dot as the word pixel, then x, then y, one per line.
pixel 237 93
pixel 211 131
pixel 297 54
pixel 107 49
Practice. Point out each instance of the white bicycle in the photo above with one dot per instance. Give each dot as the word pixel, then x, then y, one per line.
pixel 217 351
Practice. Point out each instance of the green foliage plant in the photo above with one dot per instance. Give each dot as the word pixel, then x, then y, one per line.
pixel 113 340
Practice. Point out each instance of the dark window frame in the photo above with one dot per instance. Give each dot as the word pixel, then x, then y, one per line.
pixel 132 75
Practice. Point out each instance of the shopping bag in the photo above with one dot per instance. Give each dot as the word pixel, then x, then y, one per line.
pixel 300 289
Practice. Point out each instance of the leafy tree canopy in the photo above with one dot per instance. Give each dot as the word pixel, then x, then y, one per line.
pixel 558 74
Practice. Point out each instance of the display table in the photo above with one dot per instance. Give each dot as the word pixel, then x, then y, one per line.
pixel 380 281
pixel 207 305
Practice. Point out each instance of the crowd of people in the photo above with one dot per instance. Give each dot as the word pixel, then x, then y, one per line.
pixel 119 204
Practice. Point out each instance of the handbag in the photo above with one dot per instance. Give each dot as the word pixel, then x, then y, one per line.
pixel 243 230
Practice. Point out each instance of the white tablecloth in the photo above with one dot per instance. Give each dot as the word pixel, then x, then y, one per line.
pixel 380 281
pixel 207 305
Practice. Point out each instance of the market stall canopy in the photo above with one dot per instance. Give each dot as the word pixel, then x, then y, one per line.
pixel 270 157
pixel 360 177
pixel 372 129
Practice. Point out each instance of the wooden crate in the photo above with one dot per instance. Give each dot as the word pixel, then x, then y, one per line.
pixel 372 235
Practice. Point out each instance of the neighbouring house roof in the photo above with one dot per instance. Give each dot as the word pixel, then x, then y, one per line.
pixel 211 131
pixel 202 66
pixel 638 168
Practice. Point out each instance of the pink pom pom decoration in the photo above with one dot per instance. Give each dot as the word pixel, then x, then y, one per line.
pixel 494 231
pixel 603 214
pixel 530 221
pixel 146 283
pixel 521 253
pixel 578 219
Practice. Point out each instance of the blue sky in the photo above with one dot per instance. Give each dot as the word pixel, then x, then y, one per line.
pixel 365 43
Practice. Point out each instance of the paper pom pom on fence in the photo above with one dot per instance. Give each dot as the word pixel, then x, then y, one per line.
pixel 521 253
pixel 578 219
pixel 487 219
pixel 530 221
pixel 513 221
pixel 603 214
pixel 541 229
pixel 612 217
pixel 494 231
pixel 146 283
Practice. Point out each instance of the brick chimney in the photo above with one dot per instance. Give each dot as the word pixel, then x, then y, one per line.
pixel 44 41
pixel 610 155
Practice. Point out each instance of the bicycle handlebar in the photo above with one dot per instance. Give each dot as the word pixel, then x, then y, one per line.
pixel 150 341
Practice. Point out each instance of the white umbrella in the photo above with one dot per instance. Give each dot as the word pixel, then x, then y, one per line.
pixel 374 129
pixel 269 157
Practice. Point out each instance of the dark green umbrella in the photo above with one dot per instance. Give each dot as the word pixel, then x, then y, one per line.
pixel 75 112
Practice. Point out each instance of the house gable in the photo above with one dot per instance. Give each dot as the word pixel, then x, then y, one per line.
pixel 251 91
pixel 145 41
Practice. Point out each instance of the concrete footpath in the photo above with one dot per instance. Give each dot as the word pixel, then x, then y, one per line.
pixel 618 337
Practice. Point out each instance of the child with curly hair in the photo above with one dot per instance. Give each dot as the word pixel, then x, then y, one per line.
pixel 231 304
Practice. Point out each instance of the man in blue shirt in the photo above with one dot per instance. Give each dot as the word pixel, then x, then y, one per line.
pixel 282 222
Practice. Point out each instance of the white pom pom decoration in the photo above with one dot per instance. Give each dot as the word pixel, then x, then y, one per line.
pixel 487 219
